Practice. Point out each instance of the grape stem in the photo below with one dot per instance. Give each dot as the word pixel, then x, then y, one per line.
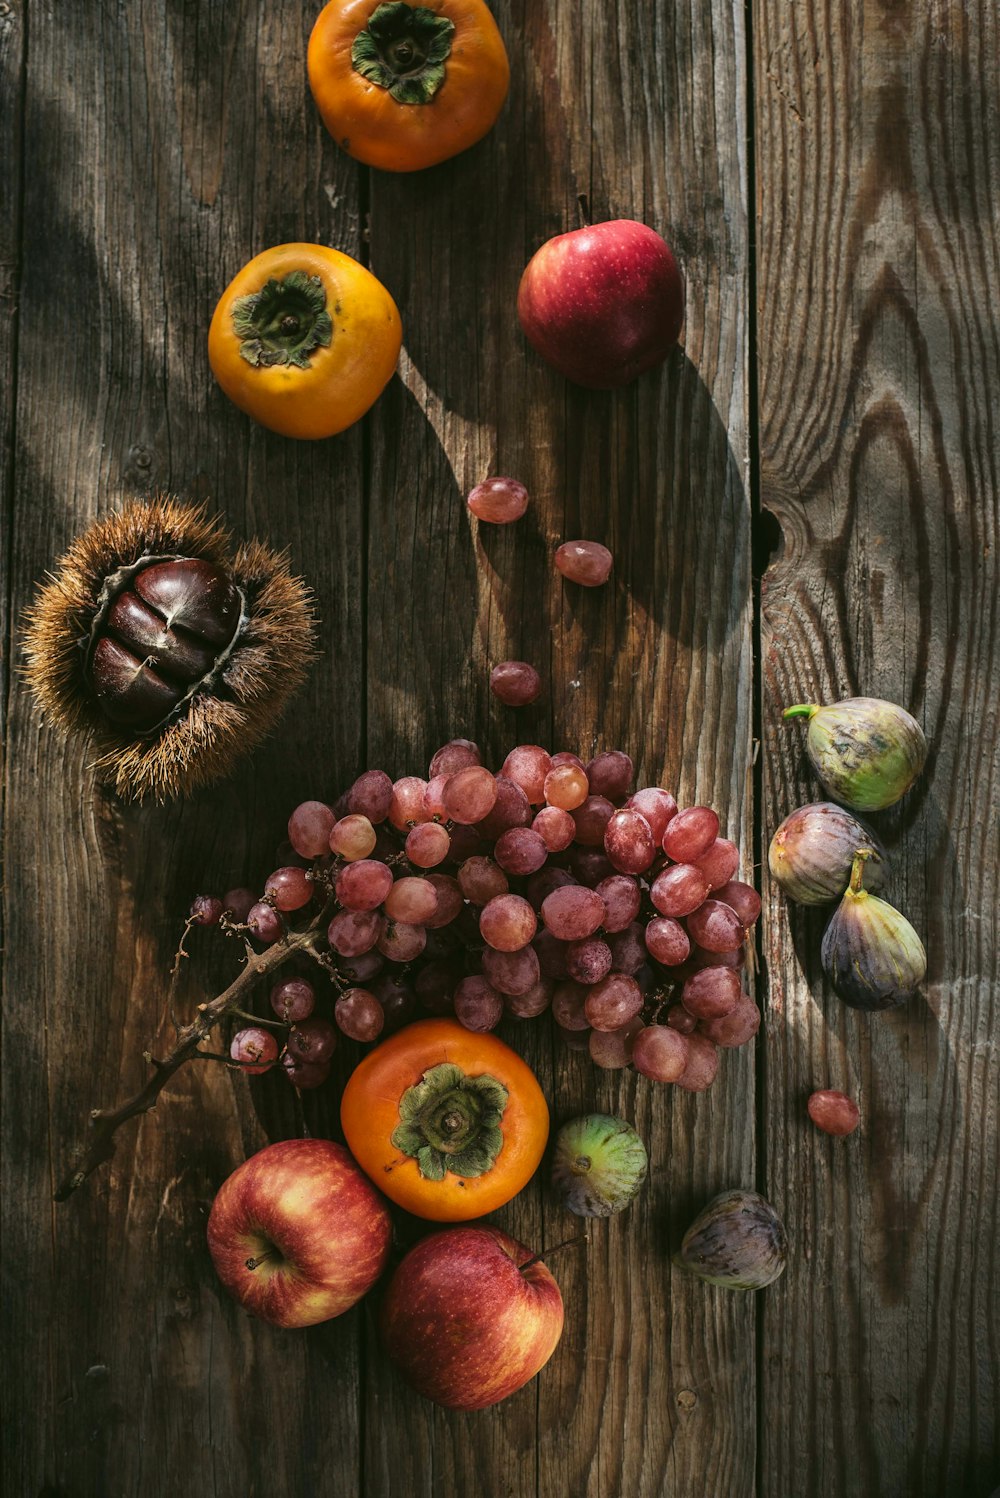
pixel 103 1124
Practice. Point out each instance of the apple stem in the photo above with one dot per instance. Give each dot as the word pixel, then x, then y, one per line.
pixel 547 1252
pixel 252 1263
pixel 584 204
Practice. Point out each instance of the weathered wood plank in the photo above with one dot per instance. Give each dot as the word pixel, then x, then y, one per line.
pixel 879 273
pixel 165 145
pixel 642 111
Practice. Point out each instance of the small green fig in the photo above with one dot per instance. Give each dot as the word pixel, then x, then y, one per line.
pixel 871 953
pixel 599 1164
pixel 866 752
pixel 738 1242
pixel 812 852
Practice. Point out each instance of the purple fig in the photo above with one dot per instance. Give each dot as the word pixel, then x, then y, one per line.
pixel 812 852
pixel 866 752
pixel 871 953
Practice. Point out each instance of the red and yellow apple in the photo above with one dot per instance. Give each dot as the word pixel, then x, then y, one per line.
pixel 470 1316
pixel 603 304
pixel 298 1233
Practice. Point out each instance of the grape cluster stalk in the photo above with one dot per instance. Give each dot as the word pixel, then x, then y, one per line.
pixel 548 885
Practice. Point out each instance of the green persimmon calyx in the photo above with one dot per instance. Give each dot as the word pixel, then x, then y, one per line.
pixel 404 49
pixel 449 1121
pixel 284 322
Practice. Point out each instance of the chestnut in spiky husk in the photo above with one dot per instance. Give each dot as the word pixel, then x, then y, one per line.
pixel 870 953
pixel 175 654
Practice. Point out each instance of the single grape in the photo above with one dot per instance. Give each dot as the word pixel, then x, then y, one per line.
pixel 527 765
pixel 613 1002
pixel 733 1029
pixel 834 1112
pixel 520 851
pixel 566 786
pixel 433 798
pixel 513 973
pixel 265 923
pixel 498 501
pixel 314 1040
pixel 406 808
pixel 701 957
pixel 354 932
pixel 412 900
pixel 679 1019
pixel 711 993
pixel 363 885
pixel 238 903
pixel 660 1053
pixel 551 953
pixel 589 960
pixel 478 1006
pixel 657 806
pixel 396 995
pixel 612 1049
pixel 515 683
pixel 610 774
pixel 715 927
pixel 353 837
pixel 568 1006
pixel 690 834
pixel 629 842
pixel 592 817
pixel 564 757
pixel 457 754
pixel 541 885
pixel 720 863
pixel 449 901
pixel 304 1074
pixel 359 1014
pixel 309 828
pixel 466 843
pixel 511 809
pixel 508 923
pixel 206 910
pixel 481 880
pixel 470 794
pixel 292 1000
pixel 622 900
pixel 401 942
pixel 555 827
pixel 289 889
pixel 572 912
pixel 678 890
pixel 742 898
pixel 590 866
pixel 667 941
pixel 427 845
pixel 585 562
pixel 534 1002
pixel 628 949
pixel 256 1050
pixel 363 967
pixel 702 1063
pixel 371 796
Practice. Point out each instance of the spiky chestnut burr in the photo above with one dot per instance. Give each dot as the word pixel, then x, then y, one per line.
pixel 173 653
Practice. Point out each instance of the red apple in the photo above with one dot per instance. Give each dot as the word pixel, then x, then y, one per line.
pixel 298 1233
pixel 603 304
pixel 464 1323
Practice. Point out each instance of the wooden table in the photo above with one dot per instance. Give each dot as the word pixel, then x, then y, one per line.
pixel 802 504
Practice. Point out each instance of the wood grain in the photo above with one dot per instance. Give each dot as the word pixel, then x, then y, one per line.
pixel 878 276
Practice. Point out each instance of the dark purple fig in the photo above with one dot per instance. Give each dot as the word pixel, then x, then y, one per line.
pixel 866 752
pixel 871 954
pixel 812 852
pixel 738 1242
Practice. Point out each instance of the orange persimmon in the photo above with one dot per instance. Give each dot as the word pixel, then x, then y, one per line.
pixel 405 86
pixel 304 339
pixel 447 1122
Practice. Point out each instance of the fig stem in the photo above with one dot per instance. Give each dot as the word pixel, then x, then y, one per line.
pixel 547 1252
pixel 861 857
pixel 800 710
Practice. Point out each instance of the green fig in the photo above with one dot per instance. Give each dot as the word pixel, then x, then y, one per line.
pixel 738 1242
pixel 812 852
pixel 866 752
pixel 599 1164
pixel 871 953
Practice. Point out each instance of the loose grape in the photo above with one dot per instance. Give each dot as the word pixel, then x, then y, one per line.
pixel 515 683
pixel 354 932
pixel 742 898
pixel 371 796
pixel 589 960
pixel 628 949
pixel 527 765
pixel 834 1112
pixel 610 774
pixel 406 807
pixel 702 1064
pixel 733 1029
pixel 679 889
pixel 289 888
pixel 478 1006
pixel 401 942
pixel 309 828
pixel 555 827
pixel 359 1014
pixel 656 806
pixel 363 885
pixel 353 837
pixel 238 903
pixel 512 973
pixel 572 912
pixel 457 754
pixel 660 1053
pixel 720 863
pixel 304 1074
pixel 256 1050
pixel 585 562
pixel 711 993
pixel 629 842
pixel 690 834
pixel 511 809
pixel 508 923
pixel 412 900
pixel 592 817
pixel 470 794
pixel 715 927
pixel 427 845
pixel 449 901
pixel 534 1002
pixel 314 1040
pixel 265 923
pixel 566 786
pixel 613 1002
pixel 667 941
pixel 568 1006
pixel 292 1000
pixel 612 1049
pixel 498 501
pixel 206 910
pixel 622 900
pixel 520 851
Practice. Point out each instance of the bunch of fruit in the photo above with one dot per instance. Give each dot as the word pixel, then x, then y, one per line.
pixel 550 884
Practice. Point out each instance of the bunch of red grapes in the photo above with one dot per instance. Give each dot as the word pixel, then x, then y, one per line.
pixel 544 886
